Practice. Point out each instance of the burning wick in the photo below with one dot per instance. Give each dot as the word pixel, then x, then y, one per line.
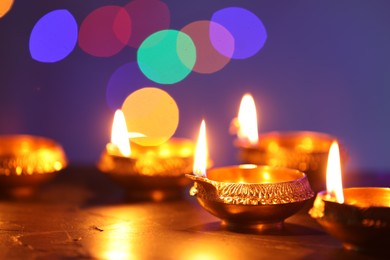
pixel 245 125
pixel 201 152
pixel 119 135
pixel 334 184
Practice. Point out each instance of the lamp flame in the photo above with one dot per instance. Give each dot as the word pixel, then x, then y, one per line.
pixel 334 184
pixel 247 120
pixel 119 134
pixel 201 152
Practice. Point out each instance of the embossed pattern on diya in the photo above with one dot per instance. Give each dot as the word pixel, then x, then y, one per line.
pixel 27 155
pixel 173 158
pixel 151 172
pixel 26 162
pixel 274 186
pixel 362 222
pixel 302 150
pixel 252 197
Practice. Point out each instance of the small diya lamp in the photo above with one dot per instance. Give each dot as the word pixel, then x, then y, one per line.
pixel 27 161
pixel 358 217
pixel 305 151
pixel 247 196
pixel 146 172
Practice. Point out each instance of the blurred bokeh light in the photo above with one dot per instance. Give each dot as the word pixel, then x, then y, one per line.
pixel 247 29
pixel 208 59
pixel 54 36
pixel 5 6
pixel 153 113
pixel 148 17
pixel 125 80
pixel 167 56
pixel 105 31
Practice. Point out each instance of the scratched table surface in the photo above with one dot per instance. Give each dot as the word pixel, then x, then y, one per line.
pixel 81 214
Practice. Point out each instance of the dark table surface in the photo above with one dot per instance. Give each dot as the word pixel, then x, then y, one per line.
pixel 82 214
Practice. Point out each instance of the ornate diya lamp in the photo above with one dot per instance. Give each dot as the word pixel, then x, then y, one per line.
pixel 152 172
pixel 302 150
pixel 358 217
pixel 362 222
pixel 155 173
pixel 248 196
pixel 27 161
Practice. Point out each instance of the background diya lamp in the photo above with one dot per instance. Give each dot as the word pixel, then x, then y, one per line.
pixel 247 196
pixel 146 172
pixel 302 150
pixel 26 161
pixel 358 217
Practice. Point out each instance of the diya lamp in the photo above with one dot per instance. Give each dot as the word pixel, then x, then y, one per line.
pixel 27 161
pixel 305 151
pixel 247 196
pixel 358 217
pixel 146 172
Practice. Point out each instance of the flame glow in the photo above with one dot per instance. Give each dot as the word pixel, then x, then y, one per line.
pixel 118 242
pixel 201 152
pixel 247 120
pixel 334 184
pixel 119 134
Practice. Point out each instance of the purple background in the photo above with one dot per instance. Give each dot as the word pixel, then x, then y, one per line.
pixel 325 67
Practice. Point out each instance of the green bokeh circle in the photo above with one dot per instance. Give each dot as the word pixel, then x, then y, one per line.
pixel 167 56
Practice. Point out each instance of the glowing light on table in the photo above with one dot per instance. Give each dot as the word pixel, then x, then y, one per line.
pixel 153 113
pixel 167 56
pixel 5 6
pixel 119 134
pixel 118 240
pixel 201 152
pixel 125 80
pixel 208 59
pixel 147 18
pixel 105 31
pixel 334 184
pixel 53 37
pixel 247 29
pixel 247 120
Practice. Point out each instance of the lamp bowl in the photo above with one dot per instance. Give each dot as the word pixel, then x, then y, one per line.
pixel 250 196
pixel 27 161
pixel 302 150
pixel 151 172
pixel 362 222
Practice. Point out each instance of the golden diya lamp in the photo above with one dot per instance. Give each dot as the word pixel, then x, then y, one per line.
pixel 305 151
pixel 358 217
pixel 247 196
pixel 27 161
pixel 146 172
